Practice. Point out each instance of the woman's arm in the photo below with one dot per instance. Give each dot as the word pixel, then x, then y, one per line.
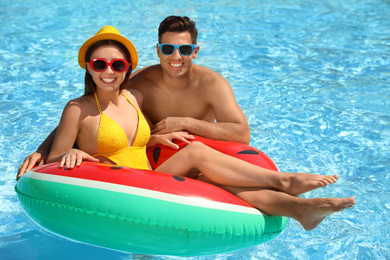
pixel 66 136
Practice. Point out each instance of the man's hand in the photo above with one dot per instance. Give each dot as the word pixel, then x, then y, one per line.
pixel 169 125
pixel 31 160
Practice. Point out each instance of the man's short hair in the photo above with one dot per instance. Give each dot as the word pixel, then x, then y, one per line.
pixel 178 24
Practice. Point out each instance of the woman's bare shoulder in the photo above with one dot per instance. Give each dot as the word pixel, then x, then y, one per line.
pixel 83 103
pixel 133 95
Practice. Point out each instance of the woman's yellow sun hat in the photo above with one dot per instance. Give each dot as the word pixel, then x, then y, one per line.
pixel 108 33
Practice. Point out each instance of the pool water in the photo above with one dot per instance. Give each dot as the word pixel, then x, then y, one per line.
pixel 313 78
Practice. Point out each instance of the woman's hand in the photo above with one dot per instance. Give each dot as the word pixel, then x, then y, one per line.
pixel 167 139
pixel 74 157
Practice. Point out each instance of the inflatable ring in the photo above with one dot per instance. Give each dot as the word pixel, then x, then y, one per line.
pixel 147 212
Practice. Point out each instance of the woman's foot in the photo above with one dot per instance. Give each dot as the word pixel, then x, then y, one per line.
pixel 316 210
pixel 298 183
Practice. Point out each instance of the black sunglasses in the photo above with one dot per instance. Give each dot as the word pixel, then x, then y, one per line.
pixel 184 49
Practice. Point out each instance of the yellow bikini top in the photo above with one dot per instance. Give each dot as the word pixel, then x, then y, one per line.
pixel 113 143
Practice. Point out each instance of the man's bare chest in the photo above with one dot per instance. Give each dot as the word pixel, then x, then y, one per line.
pixel 159 108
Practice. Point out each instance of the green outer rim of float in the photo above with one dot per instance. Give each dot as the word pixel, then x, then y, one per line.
pixel 93 223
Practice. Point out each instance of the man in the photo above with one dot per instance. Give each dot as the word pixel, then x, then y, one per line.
pixel 178 95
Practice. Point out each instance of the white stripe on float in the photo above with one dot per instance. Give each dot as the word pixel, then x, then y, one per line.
pixel 191 201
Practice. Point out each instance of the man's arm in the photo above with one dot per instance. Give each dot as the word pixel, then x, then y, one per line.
pixel 225 131
pixel 231 123
pixel 38 157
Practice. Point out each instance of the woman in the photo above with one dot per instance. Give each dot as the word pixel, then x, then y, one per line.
pixel 107 123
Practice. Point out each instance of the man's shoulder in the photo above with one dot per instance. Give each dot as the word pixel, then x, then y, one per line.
pixel 147 73
pixel 210 78
pixel 207 74
pixel 204 71
pixel 144 77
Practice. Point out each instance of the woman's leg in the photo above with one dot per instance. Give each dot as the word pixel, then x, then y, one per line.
pixel 309 212
pixel 227 170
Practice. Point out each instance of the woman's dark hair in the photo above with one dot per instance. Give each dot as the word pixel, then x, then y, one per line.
pixel 178 24
pixel 90 86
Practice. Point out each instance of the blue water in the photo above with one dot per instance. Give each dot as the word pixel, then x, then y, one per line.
pixel 313 78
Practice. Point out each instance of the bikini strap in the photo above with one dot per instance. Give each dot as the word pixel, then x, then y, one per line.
pixel 98 104
pixel 100 109
pixel 130 101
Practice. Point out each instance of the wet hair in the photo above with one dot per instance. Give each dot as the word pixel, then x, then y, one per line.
pixel 178 24
pixel 90 85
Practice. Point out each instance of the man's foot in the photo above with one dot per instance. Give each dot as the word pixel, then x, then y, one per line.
pixel 298 183
pixel 316 210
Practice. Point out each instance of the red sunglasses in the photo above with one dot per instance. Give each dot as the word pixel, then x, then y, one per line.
pixel 100 65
